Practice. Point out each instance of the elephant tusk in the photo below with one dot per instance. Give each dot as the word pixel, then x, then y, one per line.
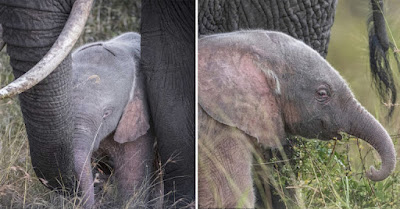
pixel 60 49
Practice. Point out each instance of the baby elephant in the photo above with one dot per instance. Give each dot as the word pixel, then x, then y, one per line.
pixel 110 113
pixel 261 87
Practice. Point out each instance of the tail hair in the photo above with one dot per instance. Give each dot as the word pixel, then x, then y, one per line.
pixel 379 51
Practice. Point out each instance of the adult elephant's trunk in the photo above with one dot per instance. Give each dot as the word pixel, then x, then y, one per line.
pixel 61 48
pixel 366 127
pixel 30 29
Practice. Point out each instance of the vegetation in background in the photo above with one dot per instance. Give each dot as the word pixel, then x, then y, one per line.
pixel 332 175
pixel 110 18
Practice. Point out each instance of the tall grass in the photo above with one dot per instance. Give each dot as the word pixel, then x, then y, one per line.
pixel 332 175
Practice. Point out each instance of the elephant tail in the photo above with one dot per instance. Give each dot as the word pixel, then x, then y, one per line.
pixel 379 50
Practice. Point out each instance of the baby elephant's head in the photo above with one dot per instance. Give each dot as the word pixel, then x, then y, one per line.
pixel 108 92
pixel 315 100
pixel 270 85
pixel 108 101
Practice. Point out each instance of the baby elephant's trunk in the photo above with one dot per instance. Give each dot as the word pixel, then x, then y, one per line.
pixel 363 125
pixel 84 141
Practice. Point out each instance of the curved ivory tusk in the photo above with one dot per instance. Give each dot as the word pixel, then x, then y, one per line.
pixel 64 43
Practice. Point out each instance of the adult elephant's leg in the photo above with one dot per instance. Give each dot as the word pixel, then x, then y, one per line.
pixel 30 28
pixel 168 62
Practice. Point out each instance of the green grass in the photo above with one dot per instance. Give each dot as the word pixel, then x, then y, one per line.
pixel 332 175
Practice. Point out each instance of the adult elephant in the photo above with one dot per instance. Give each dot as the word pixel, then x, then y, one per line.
pixel 306 20
pixel 40 34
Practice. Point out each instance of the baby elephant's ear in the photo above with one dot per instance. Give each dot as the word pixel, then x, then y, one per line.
pixel 241 92
pixel 134 122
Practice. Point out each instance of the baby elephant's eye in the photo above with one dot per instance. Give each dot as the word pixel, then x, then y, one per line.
pixel 323 94
pixel 107 112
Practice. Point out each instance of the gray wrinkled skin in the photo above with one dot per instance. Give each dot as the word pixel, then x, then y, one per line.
pixel 168 63
pixel 269 86
pixel 30 28
pixel 107 99
pixel 307 20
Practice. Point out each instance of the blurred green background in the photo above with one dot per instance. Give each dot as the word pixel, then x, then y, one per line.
pixel 348 52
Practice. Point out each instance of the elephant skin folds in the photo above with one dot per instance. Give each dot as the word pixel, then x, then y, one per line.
pixel 169 68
